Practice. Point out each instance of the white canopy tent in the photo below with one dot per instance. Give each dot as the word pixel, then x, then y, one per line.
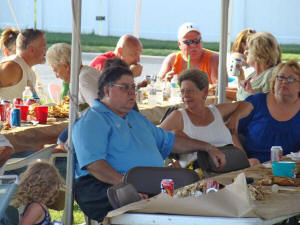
pixel 75 66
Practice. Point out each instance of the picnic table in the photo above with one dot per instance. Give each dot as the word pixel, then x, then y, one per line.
pixel 223 206
pixel 34 137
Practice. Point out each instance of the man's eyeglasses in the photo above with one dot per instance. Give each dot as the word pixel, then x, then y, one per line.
pixel 125 87
pixel 288 79
pixel 189 42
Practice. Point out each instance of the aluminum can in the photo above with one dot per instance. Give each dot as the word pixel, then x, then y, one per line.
pixel 167 186
pixel 15 118
pixel 5 102
pixel 2 112
pixel 276 153
pixel 7 114
pixel 212 186
pixel 18 101
pixel 234 70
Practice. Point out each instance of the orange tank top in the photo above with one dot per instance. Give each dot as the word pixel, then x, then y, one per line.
pixel 204 66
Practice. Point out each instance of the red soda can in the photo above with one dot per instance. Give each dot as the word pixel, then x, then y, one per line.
pixel 8 114
pixel 2 112
pixel 212 186
pixel 276 153
pixel 167 186
pixel 18 101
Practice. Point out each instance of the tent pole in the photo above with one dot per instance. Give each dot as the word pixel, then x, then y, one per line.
pixel 223 52
pixel 137 18
pixel 75 68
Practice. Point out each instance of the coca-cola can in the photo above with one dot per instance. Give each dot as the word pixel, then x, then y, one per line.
pixel 276 153
pixel 18 101
pixel 8 115
pixel 2 112
pixel 212 186
pixel 167 186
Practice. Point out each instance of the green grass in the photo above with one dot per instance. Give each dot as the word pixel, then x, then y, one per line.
pixel 96 43
pixel 77 214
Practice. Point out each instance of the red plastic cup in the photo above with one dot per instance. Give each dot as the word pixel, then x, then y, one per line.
pixel 2 112
pixel 41 113
pixel 24 111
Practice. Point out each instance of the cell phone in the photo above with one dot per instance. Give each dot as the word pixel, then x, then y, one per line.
pixel 55 222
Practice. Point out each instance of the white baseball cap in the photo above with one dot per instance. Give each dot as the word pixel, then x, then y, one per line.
pixel 185 28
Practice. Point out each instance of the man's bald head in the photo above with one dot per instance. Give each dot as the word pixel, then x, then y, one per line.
pixel 129 49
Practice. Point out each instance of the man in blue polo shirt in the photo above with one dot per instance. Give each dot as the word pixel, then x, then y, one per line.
pixel 111 138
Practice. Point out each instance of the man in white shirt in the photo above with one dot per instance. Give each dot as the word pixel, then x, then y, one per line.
pixel 15 71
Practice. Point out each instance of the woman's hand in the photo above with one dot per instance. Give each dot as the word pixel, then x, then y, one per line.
pixel 232 124
pixel 217 156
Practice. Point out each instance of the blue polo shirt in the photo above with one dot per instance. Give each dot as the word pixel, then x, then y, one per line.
pixel 123 142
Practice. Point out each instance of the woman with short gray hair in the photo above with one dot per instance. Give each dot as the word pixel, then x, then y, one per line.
pixel 198 121
pixel 59 58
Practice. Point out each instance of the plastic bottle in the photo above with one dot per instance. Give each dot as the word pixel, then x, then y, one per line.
pixel 152 94
pixel 159 91
pixel 175 89
pixel 27 94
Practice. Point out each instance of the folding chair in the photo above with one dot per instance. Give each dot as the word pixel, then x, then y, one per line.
pixel 147 179
pixel 7 190
pixel 236 159
pixel 54 92
pixel 17 163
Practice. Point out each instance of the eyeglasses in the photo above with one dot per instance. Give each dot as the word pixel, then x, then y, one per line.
pixel 187 91
pixel 288 79
pixel 125 87
pixel 189 42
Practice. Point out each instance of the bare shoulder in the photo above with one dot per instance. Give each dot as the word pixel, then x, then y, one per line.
pixel 10 72
pixel 33 214
pixel 215 57
pixel 170 58
pixel 173 121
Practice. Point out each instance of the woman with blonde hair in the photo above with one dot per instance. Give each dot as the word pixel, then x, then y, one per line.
pixel 263 55
pixel 8 41
pixel 274 117
pixel 39 187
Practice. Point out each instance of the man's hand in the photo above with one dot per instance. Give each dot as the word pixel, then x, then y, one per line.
pixel 136 69
pixel 169 75
pixel 217 156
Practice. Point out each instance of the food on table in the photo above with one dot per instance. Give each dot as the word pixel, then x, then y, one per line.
pixel 195 190
pixel 282 181
pixel 61 110
pixel 257 192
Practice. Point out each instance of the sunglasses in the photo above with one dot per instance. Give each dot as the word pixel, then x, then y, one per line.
pixel 288 79
pixel 189 42
pixel 125 87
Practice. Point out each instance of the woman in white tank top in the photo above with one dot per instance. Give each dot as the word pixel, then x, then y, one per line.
pixel 198 121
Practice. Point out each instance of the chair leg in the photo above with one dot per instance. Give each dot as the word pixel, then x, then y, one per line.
pixel 293 220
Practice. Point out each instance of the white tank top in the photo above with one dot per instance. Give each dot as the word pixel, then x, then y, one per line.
pixel 28 79
pixel 215 133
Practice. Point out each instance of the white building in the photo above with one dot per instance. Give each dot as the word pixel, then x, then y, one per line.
pixel 160 19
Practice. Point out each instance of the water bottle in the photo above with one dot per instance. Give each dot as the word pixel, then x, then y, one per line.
pixel 159 91
pixel 27 94
pixel 152 94
pixel 175 89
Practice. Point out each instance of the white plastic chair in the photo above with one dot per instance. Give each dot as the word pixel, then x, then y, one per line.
pixel 54 92
pixel 17 163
